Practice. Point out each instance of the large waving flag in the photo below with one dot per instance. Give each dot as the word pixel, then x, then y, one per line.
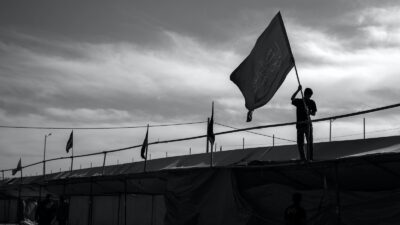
pixel 19 168
pixel 261 74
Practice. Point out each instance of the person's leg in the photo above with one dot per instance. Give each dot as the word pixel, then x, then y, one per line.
pixel 310 144
pixel 300 142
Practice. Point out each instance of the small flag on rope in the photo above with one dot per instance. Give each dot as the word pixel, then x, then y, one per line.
pixel 70 142
pixel 210 127
pixel 19 168
pixel 145 145
pixel 261 74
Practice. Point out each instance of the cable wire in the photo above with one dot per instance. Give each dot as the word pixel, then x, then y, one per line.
pixel 221 133
pixel 265 135
pixel 98 128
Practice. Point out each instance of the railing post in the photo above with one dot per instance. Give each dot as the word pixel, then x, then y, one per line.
pixel 364 127
pixel 2 172
pixel 330 130
pixel 243 143
pixel 104 162
pixel 273 140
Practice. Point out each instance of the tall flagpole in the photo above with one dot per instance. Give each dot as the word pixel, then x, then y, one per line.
pixel 301 90
pixel 208 124
pixel 72 157
pixel 147 149
pixel 44 153
pixel 211 144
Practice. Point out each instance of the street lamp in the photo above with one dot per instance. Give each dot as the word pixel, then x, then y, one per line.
pixel 44 153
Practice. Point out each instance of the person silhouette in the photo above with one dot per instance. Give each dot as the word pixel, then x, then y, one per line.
pixel 304 108
pixel 295 214
pixel 46 211
pixel 62 211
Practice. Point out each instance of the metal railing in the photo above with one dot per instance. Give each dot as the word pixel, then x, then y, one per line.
pixel 205 136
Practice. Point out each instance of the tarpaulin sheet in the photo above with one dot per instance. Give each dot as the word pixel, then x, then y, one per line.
pixel 323 206
pixel 204 197
pixel 79 210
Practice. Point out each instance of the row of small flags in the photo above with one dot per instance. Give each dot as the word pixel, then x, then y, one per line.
pixel 70 144
pixel 258 77
pixel 145 145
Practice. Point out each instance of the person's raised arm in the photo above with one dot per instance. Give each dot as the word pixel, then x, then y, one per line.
pixel 295 93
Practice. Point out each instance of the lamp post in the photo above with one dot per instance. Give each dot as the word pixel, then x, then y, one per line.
pixel 44 153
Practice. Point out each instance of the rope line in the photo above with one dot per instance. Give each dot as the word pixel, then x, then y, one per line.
pixel 265 135
pixel 220 133
pixel 97 128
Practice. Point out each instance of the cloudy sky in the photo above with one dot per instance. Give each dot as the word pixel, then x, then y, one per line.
pixel 128 63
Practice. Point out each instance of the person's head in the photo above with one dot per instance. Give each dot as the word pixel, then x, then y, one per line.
pixel 296 198
pixel 48 196
pixel 308 93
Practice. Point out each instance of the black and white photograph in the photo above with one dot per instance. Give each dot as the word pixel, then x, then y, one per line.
pixel 183 112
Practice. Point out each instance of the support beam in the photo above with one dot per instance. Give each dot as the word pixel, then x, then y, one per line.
pixel 338 208
pixel 125 203
pixel 90 211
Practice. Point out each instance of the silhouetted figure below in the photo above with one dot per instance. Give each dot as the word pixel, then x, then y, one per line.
pixel 295 214
pixel 304 126
pixel 46 211
pixel 62 211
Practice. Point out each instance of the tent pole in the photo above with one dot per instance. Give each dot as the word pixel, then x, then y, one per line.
pixel 19 203
pixel 119 208
pixel 90 211
pixel 152 209
pixel 338 210
pixel 125 203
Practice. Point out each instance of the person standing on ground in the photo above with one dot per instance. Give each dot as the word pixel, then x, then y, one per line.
pixel 304 108
pixel 295 214
pixel 62 211
pixel 46 211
